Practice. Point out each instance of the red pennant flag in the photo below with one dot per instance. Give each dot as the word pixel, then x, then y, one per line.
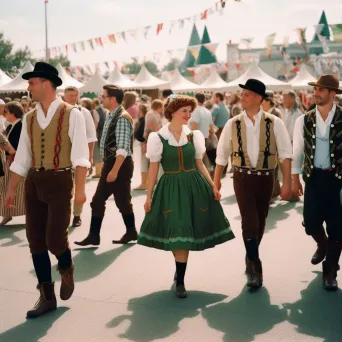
pixel 98 41
pixel 204 15
pixel 111 38
pixel 159 28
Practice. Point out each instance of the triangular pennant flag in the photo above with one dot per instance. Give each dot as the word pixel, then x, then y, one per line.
pixel 111 38
pixel 211 47
pixel 74 47
pixel 98 41
pixel 181 23
pixel 195 50
pixel 82 45
pixel 286 42
pixel 123 35
pixel 134 34
pixel 159 28
pixel 204 15
pixel 66 49
pixel 302 39
pixel 146 30
pixel 247 42
pixel 107 65
pixel 223 3
pixel 269 43
pixel 172 25
pixel 91 43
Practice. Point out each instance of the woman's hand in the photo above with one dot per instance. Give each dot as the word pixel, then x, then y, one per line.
pixel 148 204
pixel 217 194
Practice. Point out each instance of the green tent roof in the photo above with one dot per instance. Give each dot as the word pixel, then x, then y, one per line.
pixel 189 60
pixel 325 30
pixel 205 56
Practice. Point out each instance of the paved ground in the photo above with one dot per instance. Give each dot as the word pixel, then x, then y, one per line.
pixel 125 293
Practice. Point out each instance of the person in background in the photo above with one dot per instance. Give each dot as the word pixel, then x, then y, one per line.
pixel 220 113
pixel 139 135
pixel 145 100
pixel 26 104
pixel 268 105
pixel 7 99
pixel 2 117
pixel 235 105
pixel 99 115
pixel 14 113
pixel 130 105
pixel 88 104
pixel 165 94
pixel 71 95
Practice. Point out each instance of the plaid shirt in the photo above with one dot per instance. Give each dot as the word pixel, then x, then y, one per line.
pixel 123 133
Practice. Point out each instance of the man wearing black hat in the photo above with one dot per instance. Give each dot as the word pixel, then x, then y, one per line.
pixel 257 139
pixel 52 142
pixel 317 154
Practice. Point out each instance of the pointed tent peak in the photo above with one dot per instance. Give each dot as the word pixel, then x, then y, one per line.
pixel 68 80
pixel 94 84
pixel 180 84
pixel 4 78
pixel 213 82
pixel 301 80
pixel 194 38
pixel 27 68
pixel 205 38
pixel 145 80
pixel 120 80
pixel 325 30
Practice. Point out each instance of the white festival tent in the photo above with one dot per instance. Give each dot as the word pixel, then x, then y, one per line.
pixel 214 82
pixel 300 81
pixel 18 84
pixel 180 84
pixel 120 80
pixel 145 80
pixel 254 71
pixel 68 81
pixel 4 78
pixel 94 85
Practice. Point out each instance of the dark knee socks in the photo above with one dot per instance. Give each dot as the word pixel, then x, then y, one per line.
pixel 42 267
pixel 64 260
pixel 252 249
pixel 180 270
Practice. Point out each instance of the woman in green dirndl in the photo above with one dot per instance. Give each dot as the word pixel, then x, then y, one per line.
pixel 185 213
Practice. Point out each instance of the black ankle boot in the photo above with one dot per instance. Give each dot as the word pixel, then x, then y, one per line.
pixel 330 265
pixel 131 233
pixel 93 237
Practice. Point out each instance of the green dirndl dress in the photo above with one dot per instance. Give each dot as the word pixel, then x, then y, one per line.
pixel 184 213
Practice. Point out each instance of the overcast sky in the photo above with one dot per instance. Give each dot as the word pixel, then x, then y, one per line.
pixel 22 21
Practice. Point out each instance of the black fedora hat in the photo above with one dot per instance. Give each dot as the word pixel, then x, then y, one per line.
pixel 44 70
pixel 255 86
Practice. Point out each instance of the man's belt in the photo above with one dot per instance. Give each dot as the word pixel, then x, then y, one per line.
pixel 43 169
pixel 254 171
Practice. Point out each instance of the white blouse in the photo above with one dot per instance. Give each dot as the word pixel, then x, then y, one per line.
pixel 155 145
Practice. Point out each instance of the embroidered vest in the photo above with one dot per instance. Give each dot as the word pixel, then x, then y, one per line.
pixel 110 142
pixel 267 159
pixel 51 147
pixel 335 142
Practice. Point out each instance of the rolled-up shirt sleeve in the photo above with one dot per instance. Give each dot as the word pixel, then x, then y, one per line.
pixel 23 157
pixel 90 126
pixel 79 143
pixel 123 133
pixel 298 146
pixel 224 147
pixel 283 140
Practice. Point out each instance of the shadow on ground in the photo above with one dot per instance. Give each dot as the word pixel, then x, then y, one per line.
pixel 34 329
pixel 158 315
pixel 318 313
pixel 246 316
pixel 278 212
pixel 8 232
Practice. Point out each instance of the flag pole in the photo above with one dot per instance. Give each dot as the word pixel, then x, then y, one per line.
pixel 47 54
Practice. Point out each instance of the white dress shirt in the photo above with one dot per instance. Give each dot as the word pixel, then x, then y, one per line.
pixel 90 125
pixel 283 142
pixel 289 118
pixel 77 134
pixel 155 145
pixel 322 148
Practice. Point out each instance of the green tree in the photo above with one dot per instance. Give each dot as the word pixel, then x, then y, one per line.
pixel 134 68
pixel 152 68
pixel 60 59
pixel 10 60
pixel 172 65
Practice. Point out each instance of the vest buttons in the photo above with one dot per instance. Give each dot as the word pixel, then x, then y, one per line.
pixel 313 136
pixel 240 170
pixel 311 166
pixel 313 146
pixel 339 177
pixel 249 172
pixel 332 155
pixel 333 166
pixel 332 125
pixel 267 173
pixel 311 157
pixel 314 125
pixel 331 142
pixel 259 173
pixel 308 174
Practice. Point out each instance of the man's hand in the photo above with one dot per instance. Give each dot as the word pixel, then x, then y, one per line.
pixel 285 191
pixel 112 175
pixel 80 196
pixel 297 188
pixel 10 198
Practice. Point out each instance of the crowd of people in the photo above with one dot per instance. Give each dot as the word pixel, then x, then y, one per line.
pixel 186 144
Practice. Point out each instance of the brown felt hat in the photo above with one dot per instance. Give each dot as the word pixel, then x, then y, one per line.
pixel 329 82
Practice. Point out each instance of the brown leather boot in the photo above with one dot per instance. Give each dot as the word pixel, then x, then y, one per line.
pixel 92 239
pixel 67 285
pixel 254 274
pixel 46 302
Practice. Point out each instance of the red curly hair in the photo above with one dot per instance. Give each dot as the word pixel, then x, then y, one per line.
pixel 174 103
